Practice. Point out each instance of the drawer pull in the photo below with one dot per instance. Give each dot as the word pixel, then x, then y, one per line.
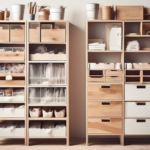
pixel 141 103
pixel 141 87
pixel 105 103
pixel 96 76
pixel 105 86
pixel 105 120
pixel 113 70
pixel 140 120
pixel 113 76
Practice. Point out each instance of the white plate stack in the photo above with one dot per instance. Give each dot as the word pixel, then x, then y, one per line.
pixel 97 46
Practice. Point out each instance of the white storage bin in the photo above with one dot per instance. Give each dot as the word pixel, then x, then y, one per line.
pixel 137 126
pixel 17 112
pixel 60 113
pixel 137 92
pixel 11 99
pixel 59 131
pixel 35 112
pixel 137 109
pixel 47 113
pixel 98 66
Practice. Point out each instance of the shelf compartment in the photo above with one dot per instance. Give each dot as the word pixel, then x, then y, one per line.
pixel 105 126
pixel 146 72
pixel 146 79
pixel 146 28
pixel 96 76
pixel 17 33
pixel 133 72
pixel 4 32
pixel 104 91
pixel 132 79
pixel 141 109
pixel 34 31
pixel 104 109
pixel 137 126
pixel 114 79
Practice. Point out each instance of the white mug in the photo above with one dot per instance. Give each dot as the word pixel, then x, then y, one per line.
pixel 118 66
pixel 129 65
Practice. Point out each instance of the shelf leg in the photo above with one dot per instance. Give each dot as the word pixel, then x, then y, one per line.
pixel 87 141
pixel 121 139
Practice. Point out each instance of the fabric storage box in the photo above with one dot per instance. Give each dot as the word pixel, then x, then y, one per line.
pixel 4 32
pixel 114 79
pixel 104 109
pixel 35 112
pixel 59 112
pixel 97 66
pixel 34 32
pixel 59 131
pixel 137 109
pixel 137 92
pixel 47 113
pixel 18 112
pixel 104 91
pixel 12 131
pixel 48 34
pixel 141 66
pixel 17 32
pixel 114 72
pixel 137 126
pixel 112 126
pixel 129 12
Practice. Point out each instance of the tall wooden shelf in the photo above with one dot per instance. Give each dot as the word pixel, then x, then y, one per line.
pixel 6 57
pixel 95 29
pixel 50 59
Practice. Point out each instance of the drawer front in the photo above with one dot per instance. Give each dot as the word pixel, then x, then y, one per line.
pixel 137 126
pixel 12 82
pixel 4 33
pixel 98 91
pixel 114 72
pixel 141 109
pixel 104 109
pixel 11 56
pixel 53 35
pixel 114 79
pixel 96 79
pixel 105 126
pixel 137 92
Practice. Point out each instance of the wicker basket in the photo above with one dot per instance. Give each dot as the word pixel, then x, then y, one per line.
pixel 107 12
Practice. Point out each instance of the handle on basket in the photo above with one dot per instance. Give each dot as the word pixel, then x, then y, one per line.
pixel 113 76
pixel 105 120
pixel 141 103
pixel 140 120
pixel 141 87
pixel 105 103
pixel 105 86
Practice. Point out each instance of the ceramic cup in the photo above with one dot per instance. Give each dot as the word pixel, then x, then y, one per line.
pixel 129 65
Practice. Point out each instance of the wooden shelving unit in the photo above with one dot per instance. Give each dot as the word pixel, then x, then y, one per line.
pixel 42 30
pixel 135 77
pixel 9 34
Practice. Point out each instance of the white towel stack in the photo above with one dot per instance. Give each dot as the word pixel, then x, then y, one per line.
pixel 97 46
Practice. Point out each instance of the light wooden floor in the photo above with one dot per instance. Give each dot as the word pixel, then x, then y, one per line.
pixel 77 144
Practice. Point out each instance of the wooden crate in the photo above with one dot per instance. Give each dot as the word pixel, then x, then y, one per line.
pixel 104 109
pixel 47 56
pixel 105 126
pixel 34 32
pixel 53 35
pixel 4 33
pixel 17 33
pixel 129 12
pixel 12 56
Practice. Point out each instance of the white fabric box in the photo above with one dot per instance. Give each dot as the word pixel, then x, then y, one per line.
pixel 11 99
pixel 12 112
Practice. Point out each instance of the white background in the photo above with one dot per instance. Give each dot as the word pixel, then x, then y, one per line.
pixel 76 15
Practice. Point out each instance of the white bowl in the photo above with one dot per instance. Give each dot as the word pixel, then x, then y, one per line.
pixel 18 8
pixel 91 6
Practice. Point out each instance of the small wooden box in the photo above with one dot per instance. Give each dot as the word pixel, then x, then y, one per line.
pixel 129 12
pixel 4 33
pixel 17 33
pixel 52 35
pixel 34 32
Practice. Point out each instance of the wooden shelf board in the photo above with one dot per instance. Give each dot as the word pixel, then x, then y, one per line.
pixel 133 75
pixel 105 83
pixel 103 100
pixel 12 86
pixel 137 117
pixel 98 134
pixel 102 51
pixel 47 42
pixel 12 43
pixel 12 21
pixel 39 85
pixel 12 61
pixel 41 118
pixel 137 36
pixel 12 118
pixel 58 105
pixel 140 51
pixel 137 69
pixel 12 137
pixel 48 61
pixel 13 102
pixel 121 117
pixel 47 137
pixel 48 21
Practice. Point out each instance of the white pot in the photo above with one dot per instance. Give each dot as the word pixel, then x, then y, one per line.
pixel 91 14
pixel 92 6
pixel 57 13
pixel 56 10
pixel 18 8
pixel 18 11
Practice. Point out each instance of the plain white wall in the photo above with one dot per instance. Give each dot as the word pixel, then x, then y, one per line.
pixel 76 15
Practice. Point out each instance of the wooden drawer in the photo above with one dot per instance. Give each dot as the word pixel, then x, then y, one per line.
pixel 104 109
pixel 96 79
pixel 141 109
pixel 17 33
pixel 12 83
pixel 114 79
pixel 137 92
pixel 99 91
pixel 12 56
pixel 48 34
pixel 137 126
pixel 34 32
pixel 105 126
pixel 113 72
pixel 4 33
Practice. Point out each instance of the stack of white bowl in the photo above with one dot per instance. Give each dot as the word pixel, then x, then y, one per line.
pixel 18 11
pixel 92 11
